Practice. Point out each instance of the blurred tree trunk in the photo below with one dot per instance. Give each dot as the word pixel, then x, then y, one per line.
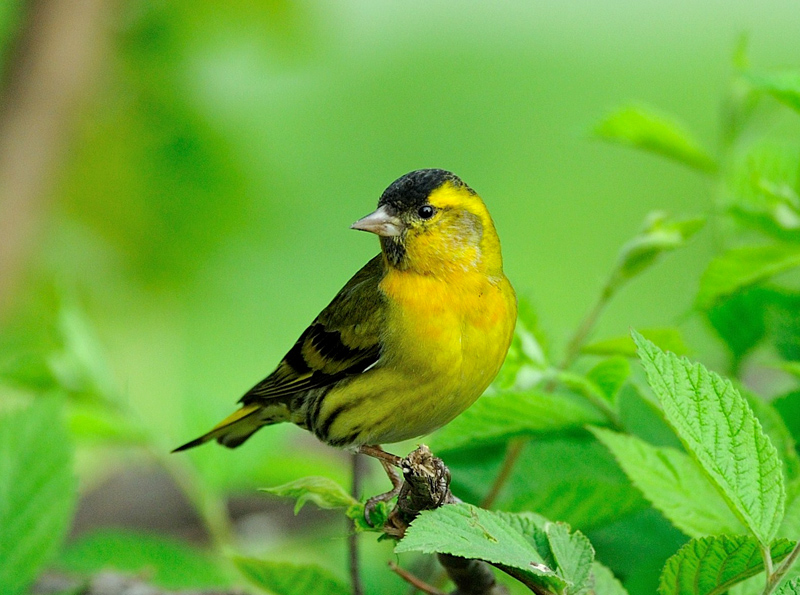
pixel 45 74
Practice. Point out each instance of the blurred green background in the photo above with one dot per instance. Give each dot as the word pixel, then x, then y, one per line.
pixel 196 218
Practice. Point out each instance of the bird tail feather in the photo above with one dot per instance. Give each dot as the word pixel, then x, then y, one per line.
pixel 239 426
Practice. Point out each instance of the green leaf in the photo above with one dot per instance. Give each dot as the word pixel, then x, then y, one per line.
pixel 498 418
pixel 719 430
pixel 322 491
pixel 791 587
pixel 739 321
pixel 573 555
pixel 37 491
pixel 712 565
pixel 788 406
pixel 646 129
pixel 740 268
pixel 783 86
pixel 474 533
pixel 574 479
pixel 605 583
pixel 167 562
pixel 609 375
pixel 790 527
pixel 284 578
pixel 659 234
pixel 668 339
pixel 673 483
pixel 99 423
pixel 779 435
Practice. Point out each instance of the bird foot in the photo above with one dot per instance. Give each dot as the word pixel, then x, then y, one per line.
pixel 375 500
pixel 389 462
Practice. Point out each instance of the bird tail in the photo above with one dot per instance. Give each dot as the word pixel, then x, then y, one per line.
pixel 239 426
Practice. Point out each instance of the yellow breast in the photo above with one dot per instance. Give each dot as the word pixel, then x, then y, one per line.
pixel 444 343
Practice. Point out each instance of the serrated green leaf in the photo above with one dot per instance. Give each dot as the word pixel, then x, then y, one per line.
pixel 791 587
pixel 495 419
pixel 605 583
pixel 322 491
pixel 646 129
pixel 37 491
pixel 167 562
pixel 740 268
pixel 712 565
pixel 673 483
pixel 668 339
pixel 378 517
pixel 284 578
pixel 474 533
pixel 573 555
pixel 609 375
pixel 719 430
pixel 783 86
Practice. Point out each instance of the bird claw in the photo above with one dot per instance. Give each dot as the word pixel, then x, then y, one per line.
pixel 370 505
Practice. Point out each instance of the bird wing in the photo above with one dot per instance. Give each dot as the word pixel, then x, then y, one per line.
pixel 343 340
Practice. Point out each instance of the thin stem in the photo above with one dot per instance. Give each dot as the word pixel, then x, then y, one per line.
pixel 358 470
pixel 513 450
pixel 766 554
pixel 212 509
pixel 774 578
pixel 414 581
pixel 573 350
pixel 582 332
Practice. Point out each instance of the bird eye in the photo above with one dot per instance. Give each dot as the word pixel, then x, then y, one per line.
pixel 425 212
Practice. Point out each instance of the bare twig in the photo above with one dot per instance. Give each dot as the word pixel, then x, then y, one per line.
pixel 513 450
pixel 427 486
pixel 471 577
pixel 414 581
pixel 46 73
pixel 358 469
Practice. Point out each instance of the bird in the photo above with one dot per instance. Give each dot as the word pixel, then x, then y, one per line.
pixel 412 339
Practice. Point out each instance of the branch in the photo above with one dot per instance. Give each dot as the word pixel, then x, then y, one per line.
pixel 426 486
pixel 45 76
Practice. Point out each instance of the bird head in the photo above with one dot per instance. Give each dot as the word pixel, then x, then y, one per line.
pixel 431 222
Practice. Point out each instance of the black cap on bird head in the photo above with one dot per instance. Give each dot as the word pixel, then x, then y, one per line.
pixel 400 204
pixel 412 190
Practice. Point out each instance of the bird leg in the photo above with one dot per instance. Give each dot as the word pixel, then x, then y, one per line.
pixel 389 462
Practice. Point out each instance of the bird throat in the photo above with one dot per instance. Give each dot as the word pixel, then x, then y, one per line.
pixel 394 249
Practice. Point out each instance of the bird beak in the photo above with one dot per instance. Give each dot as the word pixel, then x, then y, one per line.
pixel 382 222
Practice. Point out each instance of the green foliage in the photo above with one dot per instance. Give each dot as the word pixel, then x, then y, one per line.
pixel 711 565
pixel 674 484
pixel 498 418
pixel 719 430
pixel 668 339
pixel 543 553
pixel 37 491
pixel 284 578
pixel 322 491
pixel 659 234
pixel 789 588
pixel 208 167
pixel 784 86
pixel 644 128
pixel 740 268
pixel 166 562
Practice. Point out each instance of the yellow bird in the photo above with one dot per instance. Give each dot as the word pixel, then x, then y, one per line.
pixel 410 342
